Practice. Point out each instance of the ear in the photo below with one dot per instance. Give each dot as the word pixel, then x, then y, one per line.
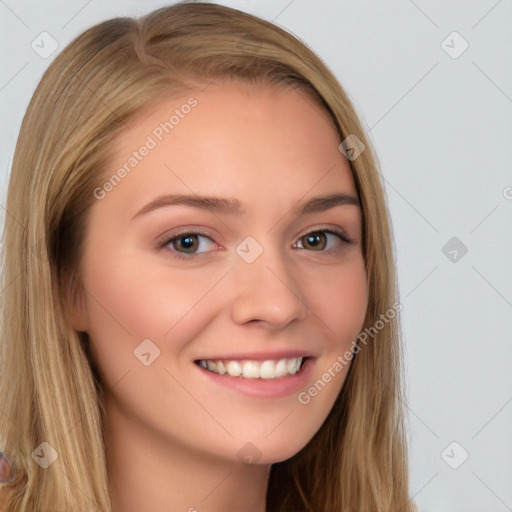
pixel 78 320
pixel 76 309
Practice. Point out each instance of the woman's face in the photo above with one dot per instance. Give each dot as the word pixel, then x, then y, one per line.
pixel 234 237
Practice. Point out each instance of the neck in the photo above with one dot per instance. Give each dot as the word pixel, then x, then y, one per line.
pixel 150 473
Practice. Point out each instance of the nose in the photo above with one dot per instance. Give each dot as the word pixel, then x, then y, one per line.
pixel 267 293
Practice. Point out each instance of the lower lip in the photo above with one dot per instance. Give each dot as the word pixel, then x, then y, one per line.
pixel 264 388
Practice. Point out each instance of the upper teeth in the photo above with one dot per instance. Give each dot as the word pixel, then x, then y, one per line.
pixel 269 369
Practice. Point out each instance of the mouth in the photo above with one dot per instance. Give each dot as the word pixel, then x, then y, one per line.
pixel 253 369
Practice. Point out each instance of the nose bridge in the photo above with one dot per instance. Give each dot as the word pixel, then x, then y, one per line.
pixel 266 286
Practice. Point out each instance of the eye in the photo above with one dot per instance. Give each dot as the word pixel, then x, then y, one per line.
pixel 321 240
pixel 188 243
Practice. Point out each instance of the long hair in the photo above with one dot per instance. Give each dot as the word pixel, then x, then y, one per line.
pixel 49 387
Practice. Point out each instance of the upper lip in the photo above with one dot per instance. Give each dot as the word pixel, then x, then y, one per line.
pixel 257 356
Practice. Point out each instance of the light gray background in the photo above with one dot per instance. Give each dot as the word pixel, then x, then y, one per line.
pixel 442 127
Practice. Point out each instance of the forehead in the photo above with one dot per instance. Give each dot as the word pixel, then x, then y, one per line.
pixel 248 137
pixel 235 100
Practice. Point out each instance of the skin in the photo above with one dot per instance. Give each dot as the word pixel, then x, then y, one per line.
pixel 174 436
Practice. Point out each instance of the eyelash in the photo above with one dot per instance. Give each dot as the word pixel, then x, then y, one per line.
pixel 163 242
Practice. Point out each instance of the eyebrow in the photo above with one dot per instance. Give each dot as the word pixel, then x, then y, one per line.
pixel 234 206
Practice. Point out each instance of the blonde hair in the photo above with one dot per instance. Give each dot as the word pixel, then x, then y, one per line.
pixel 49 385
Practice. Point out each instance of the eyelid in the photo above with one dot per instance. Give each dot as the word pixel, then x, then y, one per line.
pixel 163 241
pixel 333 230
pixel 167 238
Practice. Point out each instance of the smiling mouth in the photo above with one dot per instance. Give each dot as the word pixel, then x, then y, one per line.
pixel 249 369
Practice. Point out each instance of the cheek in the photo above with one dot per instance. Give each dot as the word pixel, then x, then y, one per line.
pixel 129 301
pixel 339 299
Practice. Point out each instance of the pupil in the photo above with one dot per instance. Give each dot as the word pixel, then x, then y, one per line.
pixel 315 240
pixel 188 242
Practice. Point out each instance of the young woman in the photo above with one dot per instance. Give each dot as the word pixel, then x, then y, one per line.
pixel 199 306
